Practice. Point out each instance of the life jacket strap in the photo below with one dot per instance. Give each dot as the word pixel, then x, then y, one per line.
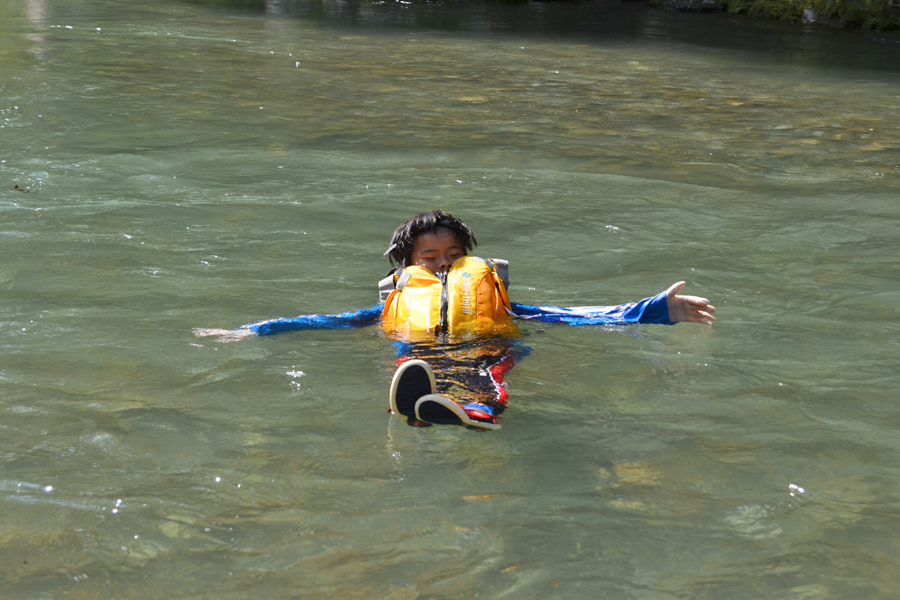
pixel 502 268
pixel 402 279
pixel 396 280
pixel 385 287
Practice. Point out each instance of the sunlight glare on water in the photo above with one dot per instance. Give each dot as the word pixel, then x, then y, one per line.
pixel 186 166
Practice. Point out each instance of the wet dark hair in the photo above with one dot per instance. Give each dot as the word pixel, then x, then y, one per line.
pixel 404 239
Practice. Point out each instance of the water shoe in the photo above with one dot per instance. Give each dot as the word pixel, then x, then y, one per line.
pixel 435 408
pixel 413 379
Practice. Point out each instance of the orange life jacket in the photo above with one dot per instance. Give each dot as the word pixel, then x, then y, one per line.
pixel 470 299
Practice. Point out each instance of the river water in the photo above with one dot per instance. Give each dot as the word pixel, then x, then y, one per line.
pixel 191 166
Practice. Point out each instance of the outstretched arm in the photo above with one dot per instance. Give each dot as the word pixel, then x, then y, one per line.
pixel 351 319
pixel 693 309
pixel 648 310
pixel 665 308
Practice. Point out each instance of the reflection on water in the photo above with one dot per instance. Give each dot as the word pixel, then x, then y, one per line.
pixel 198 167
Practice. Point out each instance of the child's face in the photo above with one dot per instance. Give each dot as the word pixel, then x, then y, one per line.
pixel 436 251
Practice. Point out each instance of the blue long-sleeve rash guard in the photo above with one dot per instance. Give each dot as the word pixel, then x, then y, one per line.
pixel 648 310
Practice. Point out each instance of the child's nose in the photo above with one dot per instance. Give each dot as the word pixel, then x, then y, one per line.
pixel 444 263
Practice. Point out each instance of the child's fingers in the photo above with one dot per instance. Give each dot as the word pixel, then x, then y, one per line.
pixel 704 304
pixel 699 302
pixel 673 290
pixel 705 317
pixel 696 315
pixel 696 300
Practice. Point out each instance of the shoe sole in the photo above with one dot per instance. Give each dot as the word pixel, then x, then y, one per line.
pixel 413 379
pixel 435 408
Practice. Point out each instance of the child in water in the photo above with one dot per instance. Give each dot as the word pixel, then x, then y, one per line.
pixel 455 325
pixel 454 314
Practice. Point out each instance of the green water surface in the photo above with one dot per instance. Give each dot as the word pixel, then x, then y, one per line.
pixel 190 166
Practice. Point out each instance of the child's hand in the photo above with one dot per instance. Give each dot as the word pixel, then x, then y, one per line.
pixel 688 308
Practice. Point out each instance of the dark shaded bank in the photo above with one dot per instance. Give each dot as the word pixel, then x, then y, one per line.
pixel 598 22
pixel 882 15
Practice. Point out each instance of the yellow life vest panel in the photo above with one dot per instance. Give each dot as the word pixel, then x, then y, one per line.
pixel 471 300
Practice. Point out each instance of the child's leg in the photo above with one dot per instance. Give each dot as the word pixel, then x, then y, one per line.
pixel 471 374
